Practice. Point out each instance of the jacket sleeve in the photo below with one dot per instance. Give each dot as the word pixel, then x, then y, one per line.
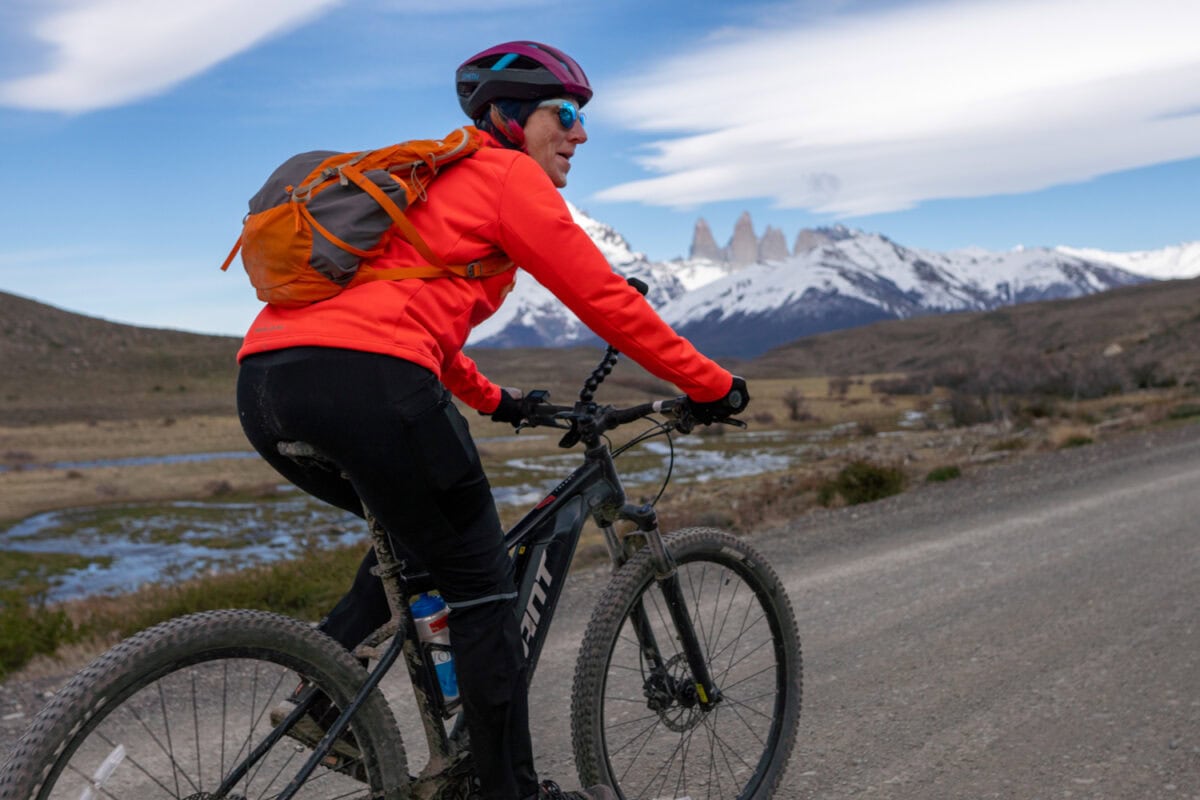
pixel 538 233
pixel 468 384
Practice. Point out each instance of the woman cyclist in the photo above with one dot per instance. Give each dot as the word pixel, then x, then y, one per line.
pixel 366 378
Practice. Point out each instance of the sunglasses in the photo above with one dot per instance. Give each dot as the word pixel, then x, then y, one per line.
pixel 568 112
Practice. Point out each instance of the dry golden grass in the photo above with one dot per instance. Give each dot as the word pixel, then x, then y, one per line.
pixel 31 490
pixel 27 492
pixel 827 401
pixel 80 441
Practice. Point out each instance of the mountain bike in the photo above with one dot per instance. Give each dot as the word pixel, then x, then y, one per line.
pixel 687 685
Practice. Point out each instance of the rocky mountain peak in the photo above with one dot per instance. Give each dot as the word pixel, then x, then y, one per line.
pixel 703 244
pixel 810 239
pixel 773 245
pixel 743 247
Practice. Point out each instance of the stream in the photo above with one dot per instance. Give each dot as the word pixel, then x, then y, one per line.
pixel 139 543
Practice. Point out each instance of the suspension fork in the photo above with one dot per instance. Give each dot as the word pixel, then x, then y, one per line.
pixel 667 576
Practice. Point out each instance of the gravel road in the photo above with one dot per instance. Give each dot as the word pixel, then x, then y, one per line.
pixel 1029 631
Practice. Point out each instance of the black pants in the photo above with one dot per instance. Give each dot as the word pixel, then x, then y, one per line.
pixel 391 427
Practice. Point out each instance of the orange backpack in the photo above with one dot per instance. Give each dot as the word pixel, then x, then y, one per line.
pixel 321 213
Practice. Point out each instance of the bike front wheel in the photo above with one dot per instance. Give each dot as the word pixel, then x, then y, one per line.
pixel 636 721
pixel 175 710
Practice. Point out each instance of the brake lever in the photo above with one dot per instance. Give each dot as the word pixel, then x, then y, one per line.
pixel 523 424
pixel 570 438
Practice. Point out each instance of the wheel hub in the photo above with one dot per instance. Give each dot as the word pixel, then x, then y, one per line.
pixel 671 692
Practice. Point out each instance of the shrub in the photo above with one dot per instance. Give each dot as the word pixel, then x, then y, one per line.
pixel 907 385
pixel 945 473
pixel 1184 411
pixel 966 410
pixel 861 482
pixel 1038 408
pixel 1077 440
pixel 839 386
pixel 29 628
pixel 797 406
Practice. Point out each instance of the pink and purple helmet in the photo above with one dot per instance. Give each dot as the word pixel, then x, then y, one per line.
pixel 518 71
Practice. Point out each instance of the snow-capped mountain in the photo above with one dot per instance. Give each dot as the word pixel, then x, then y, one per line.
pixel 839 278
pixel 863 277
pixel 532 317
pixel 1169 263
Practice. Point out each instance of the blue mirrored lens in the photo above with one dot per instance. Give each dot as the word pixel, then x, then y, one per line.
pixel 567 114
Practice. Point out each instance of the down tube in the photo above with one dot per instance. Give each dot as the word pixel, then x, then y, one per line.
pixel 542 563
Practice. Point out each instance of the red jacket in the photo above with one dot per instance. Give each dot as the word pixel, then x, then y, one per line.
pixel 497 199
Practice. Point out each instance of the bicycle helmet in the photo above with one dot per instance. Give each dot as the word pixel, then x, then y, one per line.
pixel 518 71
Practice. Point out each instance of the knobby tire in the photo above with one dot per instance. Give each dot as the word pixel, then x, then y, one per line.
pixel 642 731
pixel 169 711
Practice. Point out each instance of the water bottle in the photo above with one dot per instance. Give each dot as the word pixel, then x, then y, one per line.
pixel 431 618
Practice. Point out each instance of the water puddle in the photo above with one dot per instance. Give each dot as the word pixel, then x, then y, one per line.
pixel 153 542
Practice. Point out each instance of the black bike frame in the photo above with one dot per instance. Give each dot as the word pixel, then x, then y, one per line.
pixel 542 545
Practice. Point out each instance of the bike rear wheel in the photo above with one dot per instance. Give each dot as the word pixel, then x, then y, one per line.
pixel 168 713
pixel 640 729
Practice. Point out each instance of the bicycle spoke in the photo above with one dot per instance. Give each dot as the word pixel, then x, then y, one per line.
pixel 90 780
pixel 175 711
pixel 657 740
pixel 224 709
pixel 196 731
pixel 132 761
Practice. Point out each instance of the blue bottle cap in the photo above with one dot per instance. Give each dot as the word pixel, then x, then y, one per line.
pixel 427 604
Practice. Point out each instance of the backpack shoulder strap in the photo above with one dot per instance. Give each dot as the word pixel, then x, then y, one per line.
pixel 394 211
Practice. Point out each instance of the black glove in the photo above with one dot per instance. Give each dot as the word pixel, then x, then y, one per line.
pixel 510 409
pixel 734 402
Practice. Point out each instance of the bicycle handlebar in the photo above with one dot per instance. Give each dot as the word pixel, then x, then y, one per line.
pixel 589 421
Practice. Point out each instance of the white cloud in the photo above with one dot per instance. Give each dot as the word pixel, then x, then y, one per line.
pixel 439 8
pixel 867 113
pixel 110 52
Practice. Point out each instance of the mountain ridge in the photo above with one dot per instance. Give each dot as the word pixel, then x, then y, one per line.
pixel 732 304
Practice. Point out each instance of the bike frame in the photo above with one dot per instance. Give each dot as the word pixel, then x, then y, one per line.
pixel 542 545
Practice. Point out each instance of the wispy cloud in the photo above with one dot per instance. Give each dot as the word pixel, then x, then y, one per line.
pixel 109 52
pixel 440 8
pixel 867 113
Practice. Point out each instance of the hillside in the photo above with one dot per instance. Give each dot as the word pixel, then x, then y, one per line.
pixel 60 366
pixel 1150 323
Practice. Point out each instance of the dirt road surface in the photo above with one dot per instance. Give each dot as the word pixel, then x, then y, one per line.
pixel 1031 631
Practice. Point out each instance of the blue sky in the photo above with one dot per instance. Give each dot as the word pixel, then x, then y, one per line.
pixel 134 131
